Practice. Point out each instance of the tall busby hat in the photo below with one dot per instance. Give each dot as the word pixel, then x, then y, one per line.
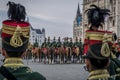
pixel 15 31
pixel 96 18
pixel 54 38
pixel 76 39
pixel 49 38
pixel 45 39
pixel 70 39
pixel 59 38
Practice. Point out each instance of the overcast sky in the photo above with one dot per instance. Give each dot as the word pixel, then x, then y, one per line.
pixel 56 16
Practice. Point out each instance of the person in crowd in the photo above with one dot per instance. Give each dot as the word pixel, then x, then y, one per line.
pixel 97 60
pixel 15 38
pixel 95 36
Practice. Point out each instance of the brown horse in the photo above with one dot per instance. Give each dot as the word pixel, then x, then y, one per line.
pixel 45 52
pixel 57 54
pixel 68 53
pixel 62 54
pixel 36 53
pixel 76 54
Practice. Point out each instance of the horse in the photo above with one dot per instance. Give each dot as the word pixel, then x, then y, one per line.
pixel 45 52
pixel 36 54
pixel 77 53
pixel 62 52
pixel 57 54
pixel 50 55
pixel 68 53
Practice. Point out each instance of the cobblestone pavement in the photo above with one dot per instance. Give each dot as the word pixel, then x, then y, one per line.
pixel 59 71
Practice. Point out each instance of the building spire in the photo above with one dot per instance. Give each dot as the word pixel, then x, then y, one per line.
pixel 78 11
pixel 78 16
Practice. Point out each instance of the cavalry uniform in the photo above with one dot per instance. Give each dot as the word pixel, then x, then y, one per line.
pixel 70 44
pixel 65 43
pixel 94 37
pixel 20 71
pixel 44 44
pixel 76 50
pixel 80 45
pixel 48 43
pixel 58 44
pixel 44 48
pixel 76 43
pixel 116 48
pixel 57 51
pixel 68 48
pixel 53 44
pixel 99 75
pixel 54 52
pixel 114 68
pixel 98 46
pixel 15 35
pixel 98 59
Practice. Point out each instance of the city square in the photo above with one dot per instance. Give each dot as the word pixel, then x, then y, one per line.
pixel 60 40
pixel 59 71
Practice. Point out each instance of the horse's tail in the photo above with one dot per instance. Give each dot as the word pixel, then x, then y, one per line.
pixel 77 51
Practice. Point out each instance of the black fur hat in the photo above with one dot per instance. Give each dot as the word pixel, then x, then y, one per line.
pixel 15 30
pixel 96 16
pixel 98 51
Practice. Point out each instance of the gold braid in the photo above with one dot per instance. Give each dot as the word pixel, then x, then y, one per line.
pixel 105 50
pixel 16 40
pixel 11 29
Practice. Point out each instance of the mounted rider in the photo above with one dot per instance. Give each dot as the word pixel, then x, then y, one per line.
pixel 44 48
pixel 76 50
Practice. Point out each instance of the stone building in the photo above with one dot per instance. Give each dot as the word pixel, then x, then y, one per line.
pixel 113 22
pixel 37 35
pixel 77 25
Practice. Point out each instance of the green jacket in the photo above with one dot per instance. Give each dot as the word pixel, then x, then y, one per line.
pixel 81 45
pixel 53 44
pixel 20 71
pixel 114 68
pixel 48 44
pixel 76 44
pixel 70 44
pixel 66 44
pixel 44 44
pixel 100 74
pixel 58 44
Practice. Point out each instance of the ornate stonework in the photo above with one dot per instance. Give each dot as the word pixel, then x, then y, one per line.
pixel 77 25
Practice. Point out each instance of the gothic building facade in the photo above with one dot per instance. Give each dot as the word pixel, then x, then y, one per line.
pixel 112 24
pixel 77 25
pixel 37 36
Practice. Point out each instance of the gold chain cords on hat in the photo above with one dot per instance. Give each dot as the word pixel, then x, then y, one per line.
pixel 105 50
pixel 16 40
